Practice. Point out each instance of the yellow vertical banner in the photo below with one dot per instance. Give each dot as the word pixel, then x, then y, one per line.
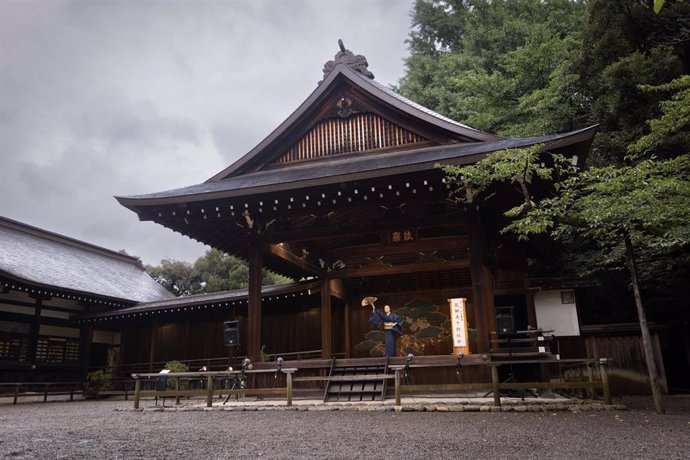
pixel 458 321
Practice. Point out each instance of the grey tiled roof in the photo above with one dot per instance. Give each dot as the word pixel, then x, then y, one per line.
pixel 31 255
pixel 179 303
pixel 411 103
pixel 301 117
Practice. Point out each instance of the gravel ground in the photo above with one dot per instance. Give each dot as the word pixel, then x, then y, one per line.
pixel 110 429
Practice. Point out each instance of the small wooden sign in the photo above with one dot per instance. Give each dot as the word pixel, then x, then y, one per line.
pixel 458 320
pixel 400 236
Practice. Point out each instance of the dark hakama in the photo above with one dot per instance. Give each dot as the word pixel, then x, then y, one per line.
pixel 392 325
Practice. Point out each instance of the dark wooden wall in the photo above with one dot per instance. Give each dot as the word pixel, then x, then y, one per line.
pixel 284 329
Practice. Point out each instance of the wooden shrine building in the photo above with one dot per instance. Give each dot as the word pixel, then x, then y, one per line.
pixel 345 197
pixel 46 280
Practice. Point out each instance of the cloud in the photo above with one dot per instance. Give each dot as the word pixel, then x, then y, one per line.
pixel 120 98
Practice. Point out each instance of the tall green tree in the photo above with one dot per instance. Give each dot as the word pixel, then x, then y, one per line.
pixel 637 211
pixel 213 272
pixel 625 47
pixel 509 67
pixel 177 277
pixel 624 210
pixel 669 133
pixel 632 212
pixel 527 67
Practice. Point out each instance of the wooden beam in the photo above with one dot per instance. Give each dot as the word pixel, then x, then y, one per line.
pixel 376 226
pixel 376 250
pixel 379 270
pixel 282 253
pixel 338 289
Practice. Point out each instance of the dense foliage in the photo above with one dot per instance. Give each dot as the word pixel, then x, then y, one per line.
pixel 526 67
pixel 625 67
pixel 508 67
pixel 213 272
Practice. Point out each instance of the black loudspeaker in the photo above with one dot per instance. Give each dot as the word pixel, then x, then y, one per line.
pixel 504 320
pixel 231 333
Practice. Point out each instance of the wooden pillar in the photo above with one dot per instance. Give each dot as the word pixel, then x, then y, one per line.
pixel 495 385
pixel 326 320
pixel 209 391
pixel 85 339
pixel 346 321
pixel 339 291
pixel 288 386
pixel 254 303
pixel 137 392
pixel 152 344
pixel 531 308
pixel 482 281
pixel 34 329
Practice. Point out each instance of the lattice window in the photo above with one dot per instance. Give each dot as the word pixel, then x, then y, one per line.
pixel 13 327
pixel 58 331
pixel 57 350
pixel 57 344
pixel 357 133
pixel 14 341
pixel 15 349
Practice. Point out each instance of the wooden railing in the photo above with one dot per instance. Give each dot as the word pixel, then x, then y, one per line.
pixel 211 389
pixel 121 372
pixel 45 389
pixel 495 386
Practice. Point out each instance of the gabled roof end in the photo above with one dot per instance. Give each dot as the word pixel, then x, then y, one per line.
pixel 357 63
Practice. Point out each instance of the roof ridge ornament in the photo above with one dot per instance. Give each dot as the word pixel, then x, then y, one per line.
pixel 357 63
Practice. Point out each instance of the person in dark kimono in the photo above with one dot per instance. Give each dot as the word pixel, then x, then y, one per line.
pixel 392 326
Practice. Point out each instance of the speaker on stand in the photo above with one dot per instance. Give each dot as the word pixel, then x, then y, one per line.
pixel 231 333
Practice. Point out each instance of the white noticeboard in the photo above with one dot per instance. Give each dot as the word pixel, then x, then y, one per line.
pixel 458 319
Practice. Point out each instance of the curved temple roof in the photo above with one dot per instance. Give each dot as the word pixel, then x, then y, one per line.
pixel 339 169
pixel 343 74
pixel 348 74
pixel 349 131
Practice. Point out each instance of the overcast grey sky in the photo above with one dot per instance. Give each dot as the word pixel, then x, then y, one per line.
pixel 105 98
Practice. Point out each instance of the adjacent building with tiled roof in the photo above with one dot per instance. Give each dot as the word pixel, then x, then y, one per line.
pixel 47 279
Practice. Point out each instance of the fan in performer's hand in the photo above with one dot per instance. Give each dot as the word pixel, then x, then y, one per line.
pixel 368 301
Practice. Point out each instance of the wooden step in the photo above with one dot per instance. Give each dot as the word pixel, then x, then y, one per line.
pixel 354 389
